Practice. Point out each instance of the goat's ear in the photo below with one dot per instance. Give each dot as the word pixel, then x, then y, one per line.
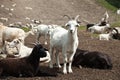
pixel 20 40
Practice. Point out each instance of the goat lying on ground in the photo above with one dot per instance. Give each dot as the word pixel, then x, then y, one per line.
pixel 92 59
pixel 24 51
pixel 116 34
pixel 107 36
pixel 103 22
pixel 27 66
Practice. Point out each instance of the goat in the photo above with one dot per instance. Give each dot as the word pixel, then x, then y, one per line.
pixel 99 29
pixel 27 66
pixel 42 30
pixel 65 40
pixel 116 34
pixel 9 50
pixel 24 51
pixel 9 33
pixel 93 59
pixel 106 36
pixel 118 11
pixel 103 22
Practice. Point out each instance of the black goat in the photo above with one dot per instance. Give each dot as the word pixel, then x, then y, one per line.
pixel 27 66
pixel 116 35
pixel 92 59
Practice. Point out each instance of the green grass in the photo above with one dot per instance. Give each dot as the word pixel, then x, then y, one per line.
pixel 112 5
pixel 82 27
pixel 26 29
pixel 115 24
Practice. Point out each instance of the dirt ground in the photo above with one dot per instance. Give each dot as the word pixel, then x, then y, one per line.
pixel 112 48
pixel 51 12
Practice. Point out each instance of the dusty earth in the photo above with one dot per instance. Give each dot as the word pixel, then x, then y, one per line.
pixel 51 12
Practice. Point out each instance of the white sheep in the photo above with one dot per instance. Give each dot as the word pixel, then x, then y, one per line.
pixel 24 51
pixel 64 40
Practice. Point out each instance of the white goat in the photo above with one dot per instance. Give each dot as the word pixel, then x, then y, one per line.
pixel 42 30
pixel 25 51
pixel 118 11
pixel 64 40
pixel 9 33
pixel 107 36
pixel 9 50
pixel 98 29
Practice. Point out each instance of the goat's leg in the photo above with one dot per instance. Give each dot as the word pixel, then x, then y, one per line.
pixel 45 39
pixel 57 58
pixel 37 37
pixel 51 55
pixel 71 59
pixel 65 60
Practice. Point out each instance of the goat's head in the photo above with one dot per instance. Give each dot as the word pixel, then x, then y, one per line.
pixel 39 50
pixel 72 24
pixel 14 43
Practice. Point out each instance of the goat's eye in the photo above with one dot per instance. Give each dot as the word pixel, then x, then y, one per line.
pixel 67 25
pixel 77 25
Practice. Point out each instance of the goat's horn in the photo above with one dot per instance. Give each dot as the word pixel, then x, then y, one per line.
pixel 67 16
pixel 77 17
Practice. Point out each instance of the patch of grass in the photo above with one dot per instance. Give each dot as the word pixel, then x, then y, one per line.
pixel 110 4
pixel 115 24
pixel 26 29
pixel 82 28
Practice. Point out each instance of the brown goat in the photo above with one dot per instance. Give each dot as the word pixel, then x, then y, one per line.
pixel 27 66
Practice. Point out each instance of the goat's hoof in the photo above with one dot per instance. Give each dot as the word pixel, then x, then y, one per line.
pixel 64 72
pixel 59 66
pixel 70 71
pixel 45 43
pixel 51 66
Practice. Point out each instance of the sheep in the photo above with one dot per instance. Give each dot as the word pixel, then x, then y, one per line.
pixel 26 66
pixel 92 59
pixel 65 40
pixel 24 51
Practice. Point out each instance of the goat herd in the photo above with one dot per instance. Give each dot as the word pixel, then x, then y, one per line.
pixel 20 60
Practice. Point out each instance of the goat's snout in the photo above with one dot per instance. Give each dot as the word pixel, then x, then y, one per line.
pixel 71 31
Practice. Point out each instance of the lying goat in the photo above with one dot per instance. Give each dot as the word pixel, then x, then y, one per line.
pixel 92 59
pixel 27 66
pixel 24 51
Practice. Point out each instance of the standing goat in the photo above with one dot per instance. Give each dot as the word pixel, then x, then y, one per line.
pixel 65 41
pixel 42 30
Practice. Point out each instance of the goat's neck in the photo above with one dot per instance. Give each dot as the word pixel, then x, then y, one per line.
pixel 73 36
